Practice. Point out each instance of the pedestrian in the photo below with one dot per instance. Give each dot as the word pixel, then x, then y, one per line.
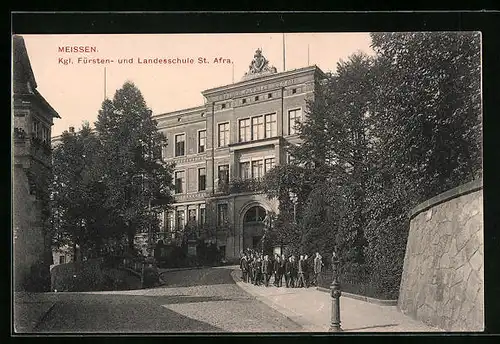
pixel 242 258
pixel 252 268
pixel 281 270
pixel 305 269
pixel 318 266
pixel 293 272
pixel 258 271
pixel 265 270
pixel 276 266
pixel 300 272
pixel 288 271
pixel 245 268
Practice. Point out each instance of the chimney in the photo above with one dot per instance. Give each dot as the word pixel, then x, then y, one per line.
pixel 71 129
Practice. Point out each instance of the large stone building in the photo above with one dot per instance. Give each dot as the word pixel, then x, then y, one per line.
pixel 222 149
pixel 31 150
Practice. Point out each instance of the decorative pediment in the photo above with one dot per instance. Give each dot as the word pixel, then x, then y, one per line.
pixel 259 67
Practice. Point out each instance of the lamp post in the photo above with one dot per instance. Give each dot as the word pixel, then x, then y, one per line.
pixel 335 293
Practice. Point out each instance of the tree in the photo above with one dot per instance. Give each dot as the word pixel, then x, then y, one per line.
pixel 77 193
pixel 427 130
pixel 132 166
pixel 334 150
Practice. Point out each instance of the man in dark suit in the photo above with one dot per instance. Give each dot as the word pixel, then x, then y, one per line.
pixel 288 271
pixel 306 268
pixel 318 265
pixel 258 271
pixel 293 272
pixel 281 270
pixel 252 269
pixel 265 270
pixel 276 266
pixel 245 268
pixel 300 270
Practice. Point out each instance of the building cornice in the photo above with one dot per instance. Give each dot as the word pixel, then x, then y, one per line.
pixel 181 112
pixel 264 79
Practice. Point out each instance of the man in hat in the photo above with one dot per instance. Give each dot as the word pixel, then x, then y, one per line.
pixel 318 266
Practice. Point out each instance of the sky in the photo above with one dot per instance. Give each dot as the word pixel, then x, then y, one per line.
pixel 76 90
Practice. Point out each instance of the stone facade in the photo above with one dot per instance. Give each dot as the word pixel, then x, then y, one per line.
pixel 269 98
pixel 33 118
pixel 443 279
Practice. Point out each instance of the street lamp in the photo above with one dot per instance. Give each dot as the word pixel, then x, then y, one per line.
pixel 335 293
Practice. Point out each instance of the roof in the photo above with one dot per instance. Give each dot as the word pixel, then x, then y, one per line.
pixel 24 82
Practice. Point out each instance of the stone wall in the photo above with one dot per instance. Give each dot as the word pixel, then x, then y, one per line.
pixel 443 280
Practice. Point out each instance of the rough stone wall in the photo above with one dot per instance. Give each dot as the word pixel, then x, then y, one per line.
pixel 28 243
pixel 442 282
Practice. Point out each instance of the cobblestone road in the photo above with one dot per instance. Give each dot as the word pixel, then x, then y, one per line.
pixel 202 300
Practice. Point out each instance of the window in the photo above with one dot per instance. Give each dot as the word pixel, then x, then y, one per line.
pixel 268 164
pixel 257 128
pixel 223 175
pixel 223 134
pixel 180 219
pixel 255 214
pixel 294 90
pixel 244 100
pixel 221 214
pixel 62 259
pixel 269 95
pixel 223 106
pixel 256 98
pixel 170 220
pixel 45 134
pixel 180 182
pixel 257 169
pixel 202 179
pixel 36 127
pixel 202 216
pixel 293 120
pixel 202 138
pixel 244 130
pixel 180 144
pixel 270 124
pixel 245 170
pixel 192 215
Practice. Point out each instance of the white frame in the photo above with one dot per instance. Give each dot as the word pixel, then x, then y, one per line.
pixel 218 133
pixel 185 182
pixel 185 144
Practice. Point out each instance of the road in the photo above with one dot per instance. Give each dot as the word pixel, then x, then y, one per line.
pixel 202 300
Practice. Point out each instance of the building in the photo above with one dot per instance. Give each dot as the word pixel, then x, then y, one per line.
pixel 223 148
pixel 31 150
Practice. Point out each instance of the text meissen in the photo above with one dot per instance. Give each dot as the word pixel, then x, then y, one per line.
pixel 77 49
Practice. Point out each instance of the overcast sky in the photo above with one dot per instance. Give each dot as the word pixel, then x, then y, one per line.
pixel 76 90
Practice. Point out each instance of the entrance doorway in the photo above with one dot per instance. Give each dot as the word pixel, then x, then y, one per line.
pixel 253 227
pixel 257 242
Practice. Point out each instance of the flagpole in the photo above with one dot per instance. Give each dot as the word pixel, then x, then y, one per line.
pixel 104 83
pixel 308 55
pixel 284 65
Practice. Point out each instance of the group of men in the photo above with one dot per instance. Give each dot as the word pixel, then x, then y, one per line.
pixel 303 272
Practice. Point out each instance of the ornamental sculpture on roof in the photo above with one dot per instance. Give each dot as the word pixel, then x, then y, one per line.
pixel 259 67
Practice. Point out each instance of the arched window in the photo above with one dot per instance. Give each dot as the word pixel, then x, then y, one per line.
pixel 255 214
